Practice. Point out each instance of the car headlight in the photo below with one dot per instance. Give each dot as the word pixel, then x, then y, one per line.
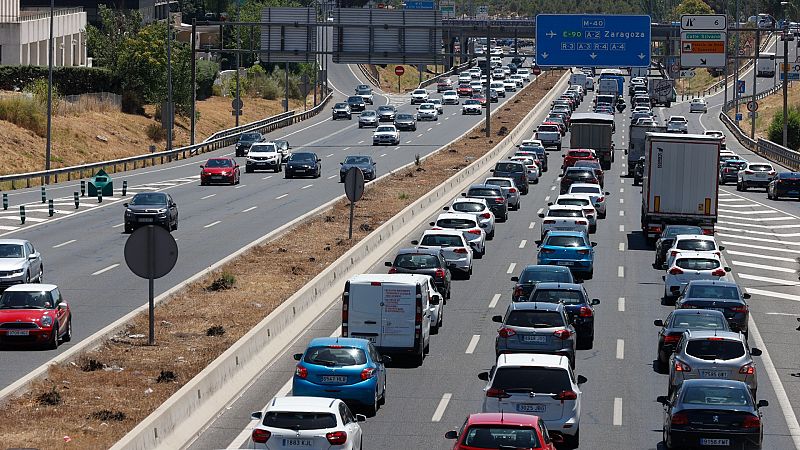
pixel 17 271
pixel 128 212
pixel 226 173
pixel 47 321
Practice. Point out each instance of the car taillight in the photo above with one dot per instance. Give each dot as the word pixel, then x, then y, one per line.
pixel 496 393
pixel 518 291
pixel 585 311
pixel 673 253
pixel 475 231
pixel 336 437
pixel 460 250
pixel 601 199
pixel 506 332
pixel 675 271
pixel 393 270
pixel 439 273
pixel 581 222
pixel 748 172
pixel 727 170
pixel 771 173
pixel 301 372
pixel 562 334
pixel 436 228
pixel 260 436
pixel 751 422
pixel 680 419
pixel 740 309
pixel 718 273
pixel 682 366
pixel 672 338
pixel 747 369
pixel 566 395
pixel 512 190
pixel 486 216
pixel 583 252
pixel 499 200
pixel 366 374
pixel 708 231
pixel 547 250
pixel 549 222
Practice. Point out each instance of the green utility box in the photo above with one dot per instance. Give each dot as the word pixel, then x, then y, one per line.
pixel 102 183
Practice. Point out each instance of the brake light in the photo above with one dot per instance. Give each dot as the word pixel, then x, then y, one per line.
pixel 748 172
pixel 708 231
pixel 747 369
pixel 475 231
pixel 751 422
pixel 460 250
pixel 439 273
pixel 771 172
pixel 672 338
pixel 366 374
pixel 581 222
pixel 301 372
pixel 681 366
pixel 518 291
pixel 506 332
pixel 486 216
pixel 680 419
pixel 740 309
pixel 512 190
pixel 585 311
pixel 583 252
pixel 497 393
pixel 345 313
pixel 499 200
pixel 393 270
pixel 566 395
pixel 260 436
pixel 718 273
pixel 601 199
pixel 435 228
pixel 549 221
pixel 675 271
pixel 336 438
pixel 673 253
pixel 547 250
pixel 562 334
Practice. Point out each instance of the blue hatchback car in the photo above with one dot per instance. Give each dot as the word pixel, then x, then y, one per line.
pixel 570 249
pixel 349 369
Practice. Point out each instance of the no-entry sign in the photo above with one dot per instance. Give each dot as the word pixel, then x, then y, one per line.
pixel 399 70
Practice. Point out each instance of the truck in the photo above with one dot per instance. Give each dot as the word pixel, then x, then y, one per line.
pixel 662 92
pixel 593 131
pixel 611 84
pixel 578 79
pixel 636 137
pixel 765 66
pixel 680 182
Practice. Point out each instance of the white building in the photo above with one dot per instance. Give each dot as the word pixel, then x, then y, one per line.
pixel 24 35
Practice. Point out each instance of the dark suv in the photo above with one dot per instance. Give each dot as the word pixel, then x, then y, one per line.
pixel 515 170
pixel 151 208
pixel 723 296
pixel 424 261
pixel 246 140
pixel 729 170
pixel 577 175
pixel 494 196
pixel 357 103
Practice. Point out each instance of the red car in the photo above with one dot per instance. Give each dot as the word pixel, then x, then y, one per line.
pixel 508 430
pixel 464 90
pixel 481 98
pixel 34 314
pixel 576 155
pixel 220 170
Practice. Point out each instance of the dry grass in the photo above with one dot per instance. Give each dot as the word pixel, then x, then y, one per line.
pixel 97 404
pixel 410 79
pixel 698 83
pixel 767 108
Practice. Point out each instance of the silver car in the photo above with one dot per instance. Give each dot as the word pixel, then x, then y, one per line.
pixel 509 188
pixel 368 119
pixel 534 327
pixel 713 354
pixel 19 263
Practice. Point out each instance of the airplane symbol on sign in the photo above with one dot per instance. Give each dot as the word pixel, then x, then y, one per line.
pixel 702 61
pixel 550 34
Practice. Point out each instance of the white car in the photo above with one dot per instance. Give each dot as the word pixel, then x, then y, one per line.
pixel 498 87
pixel 510 85
pixel 588 209
pixel 590 84
pixel 754 175
pixel 517 78
pixel 532 164
pixel 525 74
pixel 455 248
pixel 698 105
pixel 437 102
pixel 475 72
pixel 692 243
pixel 497 51
pixel 464 77
pixel 677 124
pixel 263 155
pixel 476 86
pixel 468 225
pixel 427 111
pixel 477 207
pixel 509 188
pixel 594 192
pixel 530 142
pixel 419 96
pixel 498 74
pixel 386 134
pixel 688 266
pixel 19 263
pixel 717 134
pixel 306 422
pixel 538 384
pixel 450 98
pixel 564 218
pixel 471 106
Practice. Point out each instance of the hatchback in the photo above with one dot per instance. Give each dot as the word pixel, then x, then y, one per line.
pixel 509 187
pixel 457 251
pixel 594 165
pixel 151 208
pixel 594 193
pixel 563 218
pixel 494 197
pixel 698 105
pixel 574 155
pixel 692 243
pixel 450 97
pixel 680 320
pixel 219 170
pixel 533 327
pixel 577 175
pixel 19 263
pixel 667 238
pixel 723 296
pixel 469 227
pixel 430 261
pixel 514 170
pixel 729 170
pixel 689 266
pixel 575 200
pixel 784 184
pixel 504 430
pixel 34 314
pixel 533 274
pixel 580 308
pixel 571 249
pixel 532 165
pixel 478 208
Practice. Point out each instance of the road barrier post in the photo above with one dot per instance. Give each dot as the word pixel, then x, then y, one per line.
pixel 76 199
pixel 22 214
pixel 83 188
pixel 5 201
pixel 99 196
pixel 124 187
pixel 50 210
pixel 44 195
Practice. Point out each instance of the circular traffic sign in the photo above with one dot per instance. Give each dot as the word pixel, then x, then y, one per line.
pixel 676 68
pixel 151 252
pixel 237 103
pixel 537 70
pixel 399 70
pixel 354 184
pixel 752 106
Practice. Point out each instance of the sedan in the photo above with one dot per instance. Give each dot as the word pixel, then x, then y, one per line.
pixel 450 98
pixel 494 196
pixel 577 303
pixel 471 106
pixel 386 134
pixel 356 103
pixel 698 105
pixel 571 249
pixel 19 263
pixel 504 430
pixel 405 122
pixel 386 113
pixel 363 162
pixel 246 140
pixel 34 314
pixel 305 164
pixel 219 170
pixel 464 90
pixel 533 274
pixel 594 165
pixel 151 208
pixel 584 203
pixel 723 296
pixel 577 175
pixel 532 327
pixel 784 184
pixel 479 208
pixel 368 119
pixel 679 321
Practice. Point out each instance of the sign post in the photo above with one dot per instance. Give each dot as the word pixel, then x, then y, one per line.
pixel 399 71
pixel 354 189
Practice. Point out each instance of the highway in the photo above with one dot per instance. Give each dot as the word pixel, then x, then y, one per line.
pixel 83 250
pixel 619 408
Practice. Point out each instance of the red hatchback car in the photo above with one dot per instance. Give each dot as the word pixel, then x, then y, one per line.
pixel 479 97
pixel 575 155
pixel 220 170
pixel 34 314
pixel 508 430
pixel 464 90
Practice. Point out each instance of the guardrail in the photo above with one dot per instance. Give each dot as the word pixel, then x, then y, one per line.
pixel 370 76
pixel 216 141
pixel 746 98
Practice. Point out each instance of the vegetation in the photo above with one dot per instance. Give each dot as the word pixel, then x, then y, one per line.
pixel 775 131
pixel 68 80
pixel 25 112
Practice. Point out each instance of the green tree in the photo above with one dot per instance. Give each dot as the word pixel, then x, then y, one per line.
pixel 105 41
pixel 775 131
pixel 691 7
pixel 206 74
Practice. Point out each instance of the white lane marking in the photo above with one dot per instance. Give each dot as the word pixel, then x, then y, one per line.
pixel 755 225
pixel 622 181
pixel 267 177
pixel 768 211
pixel 430 128
pixel 208 196
pixel 756 255
pixel 360 142
pixel 420 135
pixel 382 155
pixel 306 186
pixel 747 276
pixel 332 177
pixel 437 415
pixel 621 304
pixel 522 244
pixel 781 295
pixel 511 267
pixel 212 224
pixel 621 272
pixel 494 301
pixel 539 211
pixel 621 213
pixel 759 247
pixel 64 243
pixel 249 209
pixel 621 190
pixel 622 246
pixel 749 205
pixel 118 225
pixel 763 266
pixel 328 156
pixel 774 241
pixel 446 118
pixel 532 225
pixel 756 219
pixel 552 188
pixel 106 269
pixel 240 186
pixel 734 200
pixel 281 196
pixel 780 314
pixel 547 199
pixel 408 141
pixel 473 343
pixel 620 349
pixel 622 228
pixel 617 412
pixel 622 200
pixel 346 148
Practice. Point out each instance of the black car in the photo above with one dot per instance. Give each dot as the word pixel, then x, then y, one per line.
pixel 729 170
pixel 712 413
pixel 151 208
pixel 677 322
pixel 577 175
pixel 577 303
pixel 424 261
pixel 784 184
pixel 723 296
pixel 305 164
pixel 667 238
pixel 514 170
pixel 512 67
pixel 497 201
pixel 365 163
pixel 494 97
pixel 534 273
pixel 246 140
pixel 405 122
pixel 517 60
pixel 386 113
pixel 357 103
pixel 638 171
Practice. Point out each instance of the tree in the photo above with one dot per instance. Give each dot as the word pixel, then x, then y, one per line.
pixel 105 41
pixel 775 131
pixel 691 7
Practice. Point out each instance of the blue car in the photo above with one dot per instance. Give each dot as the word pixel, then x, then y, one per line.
pixel 570 249
pixel 576 301
pixel 349 369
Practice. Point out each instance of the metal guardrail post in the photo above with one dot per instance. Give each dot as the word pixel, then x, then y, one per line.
pixel 76 199
pixel 99 196
pixel 44 195
pixel 50 209
pixel 83 188
pixel 124 188
pixel 22 214
pixel 5 201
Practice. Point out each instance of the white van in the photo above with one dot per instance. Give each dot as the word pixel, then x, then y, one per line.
pixel 393 311
pixel 577 79
pixel 765 66
pixel 590 83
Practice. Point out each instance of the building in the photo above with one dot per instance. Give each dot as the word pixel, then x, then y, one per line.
pixel 150 10
pixel 25 33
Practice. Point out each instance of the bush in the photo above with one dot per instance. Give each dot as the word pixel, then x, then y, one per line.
pixel 25 112
pixel 206 74
pixel 68 80
pixel 156 132
pixel 775 131
pixel 223 283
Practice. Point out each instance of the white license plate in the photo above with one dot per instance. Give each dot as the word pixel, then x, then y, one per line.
pixel 719 442
pixel 713 373
pixel 761 175
pixel 333 379
pixel 564 263
pixel 531 408
pixel 146 219
pixel 17 333
pixel 299 443
pixel 538 339
pixel 300 170
pixel 373 339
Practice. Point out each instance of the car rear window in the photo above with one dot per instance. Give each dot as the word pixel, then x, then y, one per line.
pixel 468 207
pixel 535 319
pixel 415 261
pixel 547 276
pixel 335 356
pixel 299 420
pixel 760 167
pixel 714 348
pixel 439 240
pixel 674 231
pixel 485 192
pixel 699 245
pixel 580 154
pixel 456 223
pixel 736 165
pixel 698 322
pixel 564 241
pixel 584 190
pixel 556 296
pixel 499 436
pixel 496 182
pixel 579 175
pixel 564 213
pixel 707 395
pixel 542 380
pixel 509 167
pixel 697 263
pixel 713 292
pixel 573 201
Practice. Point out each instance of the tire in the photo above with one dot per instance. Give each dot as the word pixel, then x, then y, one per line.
pixel 68 335
pixel 420 356
pixel 40 277
pixel 373 409
pixel 175 227
pixel 248 170
pixel 490 236
pixel 744 186
pixel 572 442
pixel 536 181
pixel 738 186
pixel 360 125
pixel 52 344
pixel 128 229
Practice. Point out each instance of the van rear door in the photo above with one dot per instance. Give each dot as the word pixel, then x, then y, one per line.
pixel 399 313
pixel 365 311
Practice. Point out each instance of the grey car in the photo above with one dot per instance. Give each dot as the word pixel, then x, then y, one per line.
pixel 509 188
pixel 535 327
pixel 386 113
pixel 19 263
pixel 341 110
pixel 677 322
pixel 713 355
pixel 514 170
pixel 405 122
pixel 151 208
pixel 368 118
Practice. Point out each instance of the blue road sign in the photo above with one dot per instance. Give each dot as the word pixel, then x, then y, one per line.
pixel 741 87
pixel 738 117
pixel 422 4
pixel 592 40
pixel 793 76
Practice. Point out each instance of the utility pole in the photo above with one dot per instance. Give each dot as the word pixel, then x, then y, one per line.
pixel 49 95
pixel 488 79
pixel 753 99
pixel 169 79
pixel 785 71
pixel 286 85
pixel 238 110
pixel 736 94
pixel 193 119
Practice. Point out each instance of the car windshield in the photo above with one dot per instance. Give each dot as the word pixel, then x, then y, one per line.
pixel 697 263
pixel 250 137
pixel 303 157
pixel 364 91
pixel 11 250
pixel 549 128
pixel 442 240
pixel 584 190
pixel 357 160
pixel 579 174
pixel 509 167
pixel 592 164
pixel 544 380
pixel 384 129
pixel 456 223
pixel 420 91
pixel 500 436
pixel 565 213
pixel 263 148
pixel 340 106
pixel 485 192
pixel 671 232
pixel 385 108
pixel 696 321
pixel 149 199
pixel 568 297
pixel 416 261
pixel 25 300
pixel 535 319
pixel 543 275
pixel 355 99
pixel 499 182
pixel 564 241
pixel 368 114
pixel 472 102
pixel 219 163
pixel 335 356
pixel 710 349
pixel 716 395
pixel 700 245
pixel 402 117
pixel 426 106
pixel 469 207
pixel 712 291
pixel 299 420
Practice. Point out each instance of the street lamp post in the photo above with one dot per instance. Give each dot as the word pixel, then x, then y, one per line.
pixel 49 94
pixel 785 75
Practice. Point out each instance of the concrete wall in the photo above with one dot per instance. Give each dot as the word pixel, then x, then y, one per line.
pixel 25 42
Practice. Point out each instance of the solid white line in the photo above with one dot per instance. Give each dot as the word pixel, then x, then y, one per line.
pixel 747 276
pixel 532 225
pixel 621 272
pixel 749 205
pixel 420 135
pixel 759 247
pixel 212 224
pixel 756 255
pixel 617 412
pixel 360 142
pixel 473 343
pixel 762 266
pixel 493 303
pixel 621 304
pixel 622 228
pixel 249 209
pixel 105 270
pixel 768 211
pixel 118 225
pixel 64 243
pixel 620 349
pixel 437 415
pixel 774 241
pixel 622 246
pixel 208 196
pixel 522 244
pixel 511 267
pixel 757 219
pixel 240 186
pixel 281 196
pixel 733 200
pixel 306 186
pixel 779 314
pixel 755 225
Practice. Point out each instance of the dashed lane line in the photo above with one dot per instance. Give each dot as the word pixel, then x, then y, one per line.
pixel 622 246
pixel 64 243
pixel 620 349
pixel 306 186
pixel 522 243
pixel 511 268
pixel 441 407
pixel 621 304
pixel 621 271
pixel 212 224
pixel 249 209
pixel 617 421
pixel 281 196
pixel 622 228
pixel 472 344
pixel 106 269
pixel 495 299
pixel 208 196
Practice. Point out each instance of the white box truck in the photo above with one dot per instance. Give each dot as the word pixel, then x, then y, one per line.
pixel 765 66
pixel 593 131
pixel 636 137
pixel 662 92
pixel 680 182
pixel 578 79
pixel 393 311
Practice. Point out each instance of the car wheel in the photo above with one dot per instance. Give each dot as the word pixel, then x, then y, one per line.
pixel 175 226
pixel 68 335
pixel 572 441
pixel 286 175
pixel 128 229
pixel 27 277
pixel 373 409
pixel 585 343
pixel 52 344
pixel 420 356
pixel 490 236
pixel 360 126
pixel 744 186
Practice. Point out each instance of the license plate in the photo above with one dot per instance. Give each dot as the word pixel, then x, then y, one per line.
pixel 300 170
pixel 334 379
pixel 793 193
pixel 17 333
pixel 714 373
pixel 531 408
pixel 146 219
pixel 299 443
pixel 538 339
pixel 720 442
pixel 373 339
pixel 761 175
pixel 564 263
pixel 216 177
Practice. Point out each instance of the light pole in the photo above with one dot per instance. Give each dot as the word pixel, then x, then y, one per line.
pixel 49 94
pixel 169 79
pixel 238 110
pixel 786 36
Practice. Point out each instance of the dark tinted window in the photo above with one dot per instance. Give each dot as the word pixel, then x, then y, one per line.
pixel 696 244
pixel 25 300
pixel 149 199
pixel 355 99
pixel 357 160
pixel 579 174
pixel 218 163
pixel 573 201
pixel 547 276
pixel 364 91
pixel 674 231
pixel 485 192
pixel 414 261
pixel 385 108
pixel 697 263
pixel 456 223
pixel 736 165
pixel 299 420
pixel 497 182
pixel 303 157
pixel 250 137
pixel 509 167
pixel 401 117
pixel 556 296
pixel 535 319
pixel 498 436
pixel 564 213
pixel 564 241
pixel 592 164
pixel 467 207
pixel 789 176
pixel 11 251
pixel 707 395
pixel 760 167
pixel 720 292
pixel 714 348
pixel 340 105
pixel 584 190
pixel 438 240
pixel 580 154
pixel 536 379
pixel 335 356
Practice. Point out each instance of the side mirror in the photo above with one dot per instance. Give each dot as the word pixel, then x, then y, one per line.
pixel 483 376
pixel 607 193
pixel 319 160
pixel 557 438
pixel 463 194
pixel 388 264
pixel 762 403
pixel 663 399
pixel 431 223
pixel 658 323
pixel 727 269
pixel 446 208
pixel 256 415
pixel 436 299
pixel 62 305
pixel 755 351
pixel 386 359
pixel 582 379
pixel 341 163
pixel 361 418
pixel 594 244
pixel 33 256
pixel 491 170
pixel 414 242
pixel 498 319
pixel 541 215
pixel 722 247
pixel 125 205
pixel 202 166
pixel 516 279
pixel 549 203
pixel 595 302
pixel 746 296
pixel 452 434
pixel 297 356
